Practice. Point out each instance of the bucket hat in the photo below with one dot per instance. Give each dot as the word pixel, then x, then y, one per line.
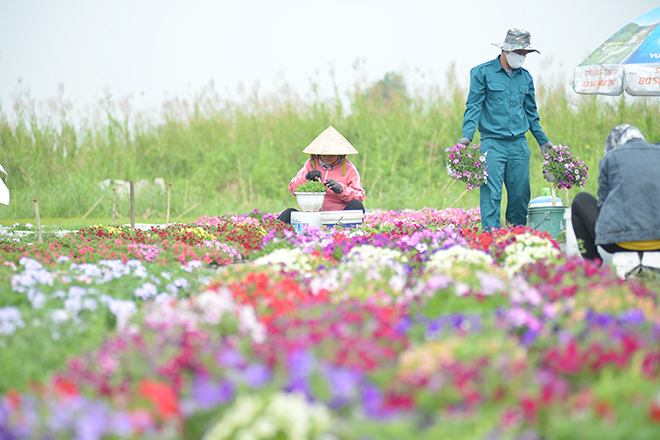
pixel 517 39
pixel 330 141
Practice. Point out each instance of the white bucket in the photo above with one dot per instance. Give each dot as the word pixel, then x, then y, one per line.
pixel 351 218
pixel 571 241
pixel 310 219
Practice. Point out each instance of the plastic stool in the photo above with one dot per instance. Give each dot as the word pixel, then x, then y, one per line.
pixel 634 262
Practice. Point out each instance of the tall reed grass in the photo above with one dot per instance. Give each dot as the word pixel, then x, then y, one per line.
pixel 225 156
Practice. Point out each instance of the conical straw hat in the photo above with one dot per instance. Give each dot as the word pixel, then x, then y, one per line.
pixel 330 142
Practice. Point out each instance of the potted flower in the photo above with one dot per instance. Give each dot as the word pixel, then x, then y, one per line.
pixel 467 164
pixel 310 196
pixel 568 171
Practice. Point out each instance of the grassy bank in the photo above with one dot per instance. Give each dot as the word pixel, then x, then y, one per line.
pixel 235 157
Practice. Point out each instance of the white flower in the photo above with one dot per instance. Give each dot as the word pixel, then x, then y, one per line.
pixel 10 320
pixel 181 283
pixel 59 316
pixel 528 248
pixel 28 225
pixel 192 264
pixel 89 304
pixel 291 260
pixel 447 258
pixel 214 305
pixel 30 263
pixel 37 299
pixel 148 290
pixel 72 305
pixel 364 257
pixel 462 289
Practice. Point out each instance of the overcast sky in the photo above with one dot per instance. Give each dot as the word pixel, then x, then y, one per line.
pixel 153 50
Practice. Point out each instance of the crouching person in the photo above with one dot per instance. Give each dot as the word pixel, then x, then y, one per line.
pixel 626 215
pixel 329 165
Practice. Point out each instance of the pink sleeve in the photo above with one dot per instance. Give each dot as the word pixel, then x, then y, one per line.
pixel 300 178
pixel 352 186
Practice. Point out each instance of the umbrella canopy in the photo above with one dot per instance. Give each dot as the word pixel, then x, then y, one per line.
pixel 629 60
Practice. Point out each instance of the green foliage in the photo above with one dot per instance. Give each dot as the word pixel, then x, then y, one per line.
pixel 236 157
pixel 391 87
pixel 311 186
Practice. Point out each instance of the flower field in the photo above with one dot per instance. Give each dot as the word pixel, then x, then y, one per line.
pixel 417 326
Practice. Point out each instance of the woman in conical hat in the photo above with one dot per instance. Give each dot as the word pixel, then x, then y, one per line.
pixel 328 164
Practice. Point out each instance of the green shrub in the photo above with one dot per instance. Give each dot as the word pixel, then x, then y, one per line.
pixel 311 186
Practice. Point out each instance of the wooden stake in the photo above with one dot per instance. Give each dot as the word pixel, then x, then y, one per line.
pixel 169 193
pixel 431 151
pixel 36 210
pixel 459 198
pixel 241 181
pixel 132 205
pixel 554 197
pixel 22 170
pixel 114 204
pixel 188 210
pixel 566 196
pixel 93 206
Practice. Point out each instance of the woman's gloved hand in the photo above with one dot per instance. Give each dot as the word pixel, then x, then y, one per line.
pixel 549 177
pixel 334 186
pixel 313 175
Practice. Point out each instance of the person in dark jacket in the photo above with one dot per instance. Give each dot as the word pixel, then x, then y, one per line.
pixel 626 216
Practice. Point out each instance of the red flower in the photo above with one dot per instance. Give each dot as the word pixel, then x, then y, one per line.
pixel 654 410
pixel 64 387
pixel 162 397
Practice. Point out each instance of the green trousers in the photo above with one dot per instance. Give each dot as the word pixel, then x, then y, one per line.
pixel 508 164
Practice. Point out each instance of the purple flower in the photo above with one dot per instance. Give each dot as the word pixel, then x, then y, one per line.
pixel 528 337
pixel 229 357
pixel 599 319
pixel 256 375
pixel 301 364
pixel 633 317
pixel 299 385
pixel 92 423
pixel 208 394
pixel 343 382
pixel 403 325
pixel 120 425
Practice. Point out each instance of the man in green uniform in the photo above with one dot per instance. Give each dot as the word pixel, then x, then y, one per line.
pixel 501 103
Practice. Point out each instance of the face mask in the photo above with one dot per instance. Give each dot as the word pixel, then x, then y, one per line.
pixel 515 60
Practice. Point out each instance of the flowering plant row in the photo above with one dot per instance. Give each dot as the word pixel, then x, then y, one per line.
pixel 423 327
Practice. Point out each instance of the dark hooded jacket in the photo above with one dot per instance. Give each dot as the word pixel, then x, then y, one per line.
pixel 629 194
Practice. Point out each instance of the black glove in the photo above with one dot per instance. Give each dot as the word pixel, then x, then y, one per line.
pixel 546 146
pixel 334 185
pixel 465 141
pixel 313 175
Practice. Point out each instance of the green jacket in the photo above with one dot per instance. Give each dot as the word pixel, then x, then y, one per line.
pixel 501 106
